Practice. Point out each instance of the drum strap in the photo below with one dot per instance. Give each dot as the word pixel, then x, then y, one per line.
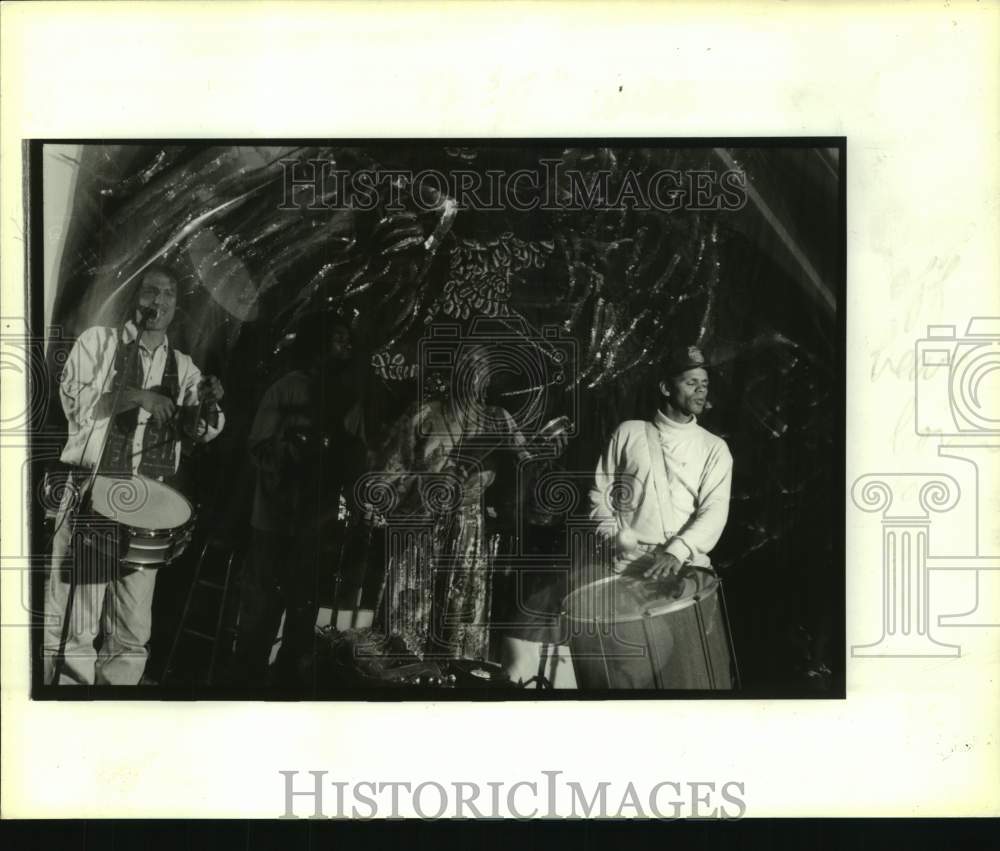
pixel 660 480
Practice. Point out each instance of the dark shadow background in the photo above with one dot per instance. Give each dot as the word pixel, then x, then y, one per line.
pixel 760 289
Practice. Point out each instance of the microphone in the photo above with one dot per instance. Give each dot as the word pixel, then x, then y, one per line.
pixel 146 314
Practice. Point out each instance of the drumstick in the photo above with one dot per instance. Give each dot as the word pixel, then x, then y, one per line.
pixel 156 445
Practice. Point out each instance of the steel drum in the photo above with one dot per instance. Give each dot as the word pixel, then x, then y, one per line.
pixel 629 633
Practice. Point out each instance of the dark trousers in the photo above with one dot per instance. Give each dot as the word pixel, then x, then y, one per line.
pixel 280 577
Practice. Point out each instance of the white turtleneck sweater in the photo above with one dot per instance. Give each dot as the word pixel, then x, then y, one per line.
pixel 683 502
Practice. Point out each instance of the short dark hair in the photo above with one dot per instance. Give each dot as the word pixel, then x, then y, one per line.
pixel 165 271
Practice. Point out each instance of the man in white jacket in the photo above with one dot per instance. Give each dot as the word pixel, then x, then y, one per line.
pixel 662 488
pixel 660 497
pixel 162 396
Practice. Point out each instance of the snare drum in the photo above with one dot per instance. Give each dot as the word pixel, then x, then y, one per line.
pixel 629 633
pixel 147 523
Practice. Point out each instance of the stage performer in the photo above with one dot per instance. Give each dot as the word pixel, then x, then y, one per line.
pixel 163 399
pixel 660 501
pixel 307 445
pixel 661 489
pixel 440 462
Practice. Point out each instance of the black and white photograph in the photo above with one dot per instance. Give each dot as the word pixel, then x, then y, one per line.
pixel 437 419
pixel 565 412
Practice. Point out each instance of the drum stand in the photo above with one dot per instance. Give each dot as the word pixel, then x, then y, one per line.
pixel 737 680
pixel 79 499
pixel 68 613
pixel 541 681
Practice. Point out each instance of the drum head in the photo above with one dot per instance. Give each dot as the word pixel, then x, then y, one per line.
pixel 620 599
pixel 140 503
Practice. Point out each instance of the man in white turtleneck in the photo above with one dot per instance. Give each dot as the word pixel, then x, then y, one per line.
pixel 662 487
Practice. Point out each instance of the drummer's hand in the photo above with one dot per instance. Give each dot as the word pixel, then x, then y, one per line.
pixel 159 407
pixel 666 564
pixel 210 389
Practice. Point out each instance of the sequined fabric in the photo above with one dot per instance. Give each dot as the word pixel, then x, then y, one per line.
pixel 480 275
pixel 439 557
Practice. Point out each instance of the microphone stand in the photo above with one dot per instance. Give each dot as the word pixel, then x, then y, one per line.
pixel 85 493
pixel 116 401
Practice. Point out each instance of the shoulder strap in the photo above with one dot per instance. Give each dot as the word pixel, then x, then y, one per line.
pixel 171 373
pixel 658 478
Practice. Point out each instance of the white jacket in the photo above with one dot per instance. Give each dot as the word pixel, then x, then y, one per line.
pixel 683 502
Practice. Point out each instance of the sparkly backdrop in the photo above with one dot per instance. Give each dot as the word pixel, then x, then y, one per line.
pixel 757 288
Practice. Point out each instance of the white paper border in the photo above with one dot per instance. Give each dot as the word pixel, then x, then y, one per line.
pixel 913 87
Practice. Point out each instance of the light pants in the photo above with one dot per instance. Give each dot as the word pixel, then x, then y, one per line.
pixel 121 610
